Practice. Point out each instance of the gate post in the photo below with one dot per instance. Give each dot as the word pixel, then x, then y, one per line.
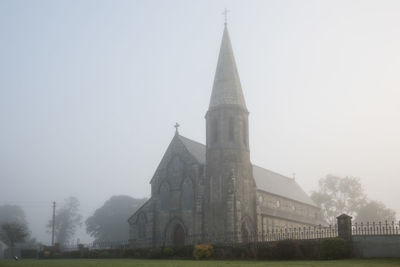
pixel 344 226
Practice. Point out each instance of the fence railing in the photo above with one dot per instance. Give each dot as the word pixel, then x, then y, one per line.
pixel 233 238
pixel 96 245
pixel 299 233
pixel 315 232
pixel 376 228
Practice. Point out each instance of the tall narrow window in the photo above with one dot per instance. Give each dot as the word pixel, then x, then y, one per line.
pixel 141 224
pixel 211 188
pixel 164 196
pixel 187 194
pixel 220 188
pixel 244 133
pixel 214 131
pixel 231 130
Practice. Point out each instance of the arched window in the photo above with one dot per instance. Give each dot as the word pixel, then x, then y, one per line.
pixel 164 196
pixel 245 133
pixel 175 167
pixel 141 224
pixel 187 194
pixel 231 130
pixel 211 189
pixel 214 131
pixel 220 188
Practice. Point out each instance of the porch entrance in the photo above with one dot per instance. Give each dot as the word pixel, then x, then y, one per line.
pixel 178 236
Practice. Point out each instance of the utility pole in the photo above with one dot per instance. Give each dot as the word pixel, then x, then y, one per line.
pixel 54 223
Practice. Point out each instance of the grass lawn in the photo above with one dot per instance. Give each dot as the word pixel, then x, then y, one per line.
pixel 184 263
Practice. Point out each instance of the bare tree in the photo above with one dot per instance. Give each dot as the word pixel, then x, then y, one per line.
pixel 67 219
pixel 338 195
pixel 375 211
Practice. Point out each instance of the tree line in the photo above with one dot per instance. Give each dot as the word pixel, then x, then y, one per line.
pixel 108 223
pixel 335 195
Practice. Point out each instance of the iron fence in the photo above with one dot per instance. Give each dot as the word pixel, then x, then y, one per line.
pixel 376 228
pixel 96 245
pixel 234 238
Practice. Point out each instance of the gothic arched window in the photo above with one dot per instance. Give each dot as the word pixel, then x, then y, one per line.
pixel 231 130
pixel 187 194
pixel 164 196
pixel 211 189
pixel 175 167
pixel 244 133
pixel 214 131
pixel 141 224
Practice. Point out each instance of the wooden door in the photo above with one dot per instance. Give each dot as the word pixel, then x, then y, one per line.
pixel 178 237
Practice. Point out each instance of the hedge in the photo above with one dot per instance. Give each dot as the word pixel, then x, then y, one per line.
pixel 330 248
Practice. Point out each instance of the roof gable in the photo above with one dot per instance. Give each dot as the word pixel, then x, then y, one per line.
pixel 188 150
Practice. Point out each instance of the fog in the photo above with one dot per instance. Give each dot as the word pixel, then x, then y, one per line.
pixel 90 91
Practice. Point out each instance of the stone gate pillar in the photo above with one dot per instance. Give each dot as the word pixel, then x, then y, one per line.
pixel 344 226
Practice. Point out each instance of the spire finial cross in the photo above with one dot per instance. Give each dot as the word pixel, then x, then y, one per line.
pixel 225 13
pixel 176 127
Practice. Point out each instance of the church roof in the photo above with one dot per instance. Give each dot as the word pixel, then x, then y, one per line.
pixel 278 184
pixel 266 180
pixel 227 89
pixel 196 149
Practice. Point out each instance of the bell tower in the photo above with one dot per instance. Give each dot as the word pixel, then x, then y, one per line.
pixel 230 204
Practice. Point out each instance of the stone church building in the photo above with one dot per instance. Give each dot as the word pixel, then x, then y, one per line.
pixel 212 192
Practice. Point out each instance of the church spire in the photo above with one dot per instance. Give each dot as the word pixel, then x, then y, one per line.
pixel 227 89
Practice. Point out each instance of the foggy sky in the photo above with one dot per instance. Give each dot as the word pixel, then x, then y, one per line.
pixel 90 91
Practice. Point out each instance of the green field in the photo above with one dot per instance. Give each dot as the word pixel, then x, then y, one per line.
pixel 184 263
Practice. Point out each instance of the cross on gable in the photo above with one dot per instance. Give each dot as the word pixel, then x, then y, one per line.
pixel 176 127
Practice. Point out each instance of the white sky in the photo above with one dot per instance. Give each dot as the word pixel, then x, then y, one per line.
pixel 90 91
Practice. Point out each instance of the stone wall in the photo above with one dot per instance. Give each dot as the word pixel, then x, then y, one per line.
pixel 378 246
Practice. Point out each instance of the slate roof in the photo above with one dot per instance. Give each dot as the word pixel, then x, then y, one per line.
pixel 266 180
pixel 198 150
pixel 278 184
pixel 227 89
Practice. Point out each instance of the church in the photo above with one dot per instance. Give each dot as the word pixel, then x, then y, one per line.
pixel 212 193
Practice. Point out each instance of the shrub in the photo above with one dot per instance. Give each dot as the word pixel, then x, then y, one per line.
pixel 203 251
pixel 335 248
pixel 223 252
pixel 56 255
pixel 129 253
pixel 155 253
pixel 104 254
pixel 47 253
pixel 185 252
pixel 74 254
pixel 167 252
pixel 309 249
pixel 29 253
pixel 93 254
pixel 286 250
pixel 85 253
pixel 264 251
pixel 139 253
